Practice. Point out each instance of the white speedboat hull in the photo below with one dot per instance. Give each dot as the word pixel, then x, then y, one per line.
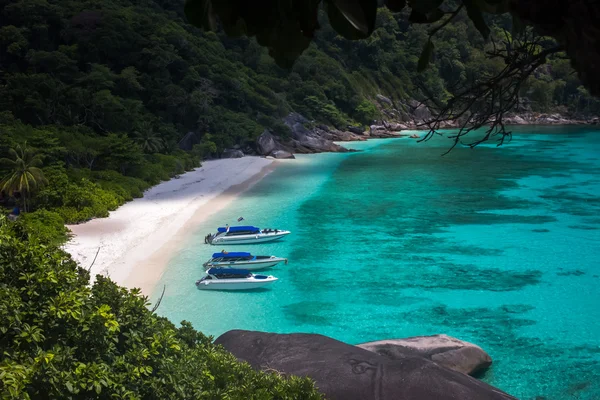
pixel 235 284
pixel 251 265
pixel 249 239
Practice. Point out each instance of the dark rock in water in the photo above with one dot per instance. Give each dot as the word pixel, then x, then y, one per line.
pixel 345 372
pixel 266 143
pixel 446 351
pixel 359 130
pixel 188 141
pixel 282 154
pixel 232 153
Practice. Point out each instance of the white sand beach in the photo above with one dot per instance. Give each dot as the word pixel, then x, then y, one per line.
pixel 137 240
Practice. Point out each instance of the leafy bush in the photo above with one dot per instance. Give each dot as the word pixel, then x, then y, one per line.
pixel 43 226
pixel 366 112
pixel 206 148
pixel 325 111
pixel 86 200
pixel 64 339
pixel 126 187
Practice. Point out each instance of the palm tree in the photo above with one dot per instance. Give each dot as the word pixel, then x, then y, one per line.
pixel 147 139
pixel 25 176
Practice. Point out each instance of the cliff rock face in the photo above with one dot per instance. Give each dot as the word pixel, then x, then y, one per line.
pixel 345 372
pixel 444 350
pixel 318 139
pixel 303 138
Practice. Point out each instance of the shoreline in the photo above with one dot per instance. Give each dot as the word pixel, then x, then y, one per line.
pixel 138 239
pixel 146 275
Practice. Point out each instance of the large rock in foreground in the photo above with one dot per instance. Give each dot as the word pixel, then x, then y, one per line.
pixel 345 372
pixel 446 351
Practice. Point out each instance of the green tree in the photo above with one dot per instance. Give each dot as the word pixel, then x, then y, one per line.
pixel 366 112
pixel 25 176
pixel 147 139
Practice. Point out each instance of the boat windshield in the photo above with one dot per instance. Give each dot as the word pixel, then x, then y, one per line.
pixel 225 273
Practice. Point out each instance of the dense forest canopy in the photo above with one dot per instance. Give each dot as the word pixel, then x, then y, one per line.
pixel 95 98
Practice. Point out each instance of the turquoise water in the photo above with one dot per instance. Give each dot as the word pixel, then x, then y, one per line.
pixel 498 246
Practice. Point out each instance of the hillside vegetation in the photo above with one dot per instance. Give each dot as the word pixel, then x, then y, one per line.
pixel 105 90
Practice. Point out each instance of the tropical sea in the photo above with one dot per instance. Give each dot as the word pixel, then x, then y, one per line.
pixel 499 246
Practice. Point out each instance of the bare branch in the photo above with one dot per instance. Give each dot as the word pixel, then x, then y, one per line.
pixel 93 262
pixel 159 300
pixel 485 102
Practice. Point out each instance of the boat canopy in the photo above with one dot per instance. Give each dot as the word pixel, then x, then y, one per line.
pixel 228 271
pixel 239 229
pixel 231 255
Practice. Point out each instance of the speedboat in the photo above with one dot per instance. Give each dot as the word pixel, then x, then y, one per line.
pixel 243 260
pixel 232 279
pixel 244 235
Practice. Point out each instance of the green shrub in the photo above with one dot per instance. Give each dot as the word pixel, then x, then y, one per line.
pixel 65 339
pixel 85 200
pixel 326 111
pixel 114 181
pixel 46 227
pixel 366 112
pixel 205 149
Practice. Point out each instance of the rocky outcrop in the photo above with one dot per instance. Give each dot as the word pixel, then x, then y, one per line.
pixel 532 118
pixel 359 130
pixel 309 140
pixel 386 131
pixel 345 372
pixel 343 136
pixel 281 154
pixel 266 143
pixel 232 153
pixel 188 141
pixel 304 140
pixel 444 350
pixel 382 99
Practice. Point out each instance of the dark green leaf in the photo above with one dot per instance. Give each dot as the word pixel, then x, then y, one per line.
pixel 425 6
pixel 395 5
pixel 200 14
pixel 307 13
pixel 425 56
pixel 518 27
pixel 493 6
pixel 353 19
pixel 418 17
pixel 476 16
